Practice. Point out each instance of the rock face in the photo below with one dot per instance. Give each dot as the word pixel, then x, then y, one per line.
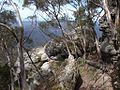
pixel 108 51
pixel 56 68
pixel 57 49
pixel 51 74
pixel 60 75
pixel 70 78
pixel 110 48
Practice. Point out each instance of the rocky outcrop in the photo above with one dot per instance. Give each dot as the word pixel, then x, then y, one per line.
pixel 52 74
pixel 57 49
pixel 60 75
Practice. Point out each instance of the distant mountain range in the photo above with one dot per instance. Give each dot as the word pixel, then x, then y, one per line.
pixel 39 38
pixel 36 35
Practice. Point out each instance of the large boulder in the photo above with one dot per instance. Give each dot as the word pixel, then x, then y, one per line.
pixel 59 75
pixel 108 51
pixel 44 73
pixel 57 49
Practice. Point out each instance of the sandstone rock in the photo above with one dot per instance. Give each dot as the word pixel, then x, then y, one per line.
pixel 60 75
pixel 56 50
pixel 44 57
pixel 53 74
pixel 46 67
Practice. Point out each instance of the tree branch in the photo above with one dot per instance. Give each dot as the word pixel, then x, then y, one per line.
pixel 10 30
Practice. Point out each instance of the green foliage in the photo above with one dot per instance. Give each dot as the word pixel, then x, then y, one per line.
pixel 118 30
pixel 44 4
pixel 93 4
pixel 7 40
pixel 44 25
pixel 41 4
pixel 82 17
pixel 7 17
pixel 4 77
pixel 80 13
pixel 6 37
pixel 57 87
pixel 53 23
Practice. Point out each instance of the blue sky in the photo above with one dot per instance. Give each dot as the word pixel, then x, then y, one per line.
pixel 24 11
pixel 30 10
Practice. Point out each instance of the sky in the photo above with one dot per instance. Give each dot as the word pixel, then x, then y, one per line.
pixel 25 12
pixel 29 11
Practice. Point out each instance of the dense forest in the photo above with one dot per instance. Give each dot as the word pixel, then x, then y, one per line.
pixel 74 57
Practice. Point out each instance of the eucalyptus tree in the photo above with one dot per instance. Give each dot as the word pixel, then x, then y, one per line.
pixel 6 24
pixel 7 46
pixel 54 10
pixel 83 26
pixel 86 11
pixel 109 25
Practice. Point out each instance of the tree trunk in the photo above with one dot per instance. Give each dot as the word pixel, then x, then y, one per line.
pixel 84 43
pixel 23 83
pixel 10 66
pixel 105 6
pixel 11 74
pixel 117 20
pixel 22 68
pixel 12 80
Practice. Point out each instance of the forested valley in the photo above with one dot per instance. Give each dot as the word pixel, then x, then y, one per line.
pixel 59 45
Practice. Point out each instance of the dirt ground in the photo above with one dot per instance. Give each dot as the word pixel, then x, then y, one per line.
pixel 94 79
